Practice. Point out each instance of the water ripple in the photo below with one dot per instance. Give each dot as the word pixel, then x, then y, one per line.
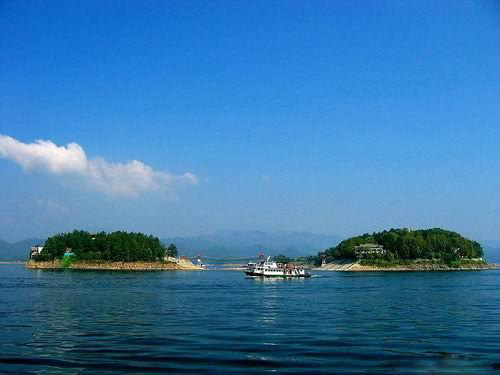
pixel 221 322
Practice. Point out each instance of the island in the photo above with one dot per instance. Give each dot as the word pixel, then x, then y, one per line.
pixel 107 251
pixel 404 250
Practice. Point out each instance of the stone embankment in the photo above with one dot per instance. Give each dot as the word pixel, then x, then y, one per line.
pixel 421 267
pixel 339 265
pixel 349 266
pixel 115 266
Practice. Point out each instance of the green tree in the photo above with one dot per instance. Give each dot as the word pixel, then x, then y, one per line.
pixel 172 250
pixel 433 243
pixel 116 246
pixel 282 259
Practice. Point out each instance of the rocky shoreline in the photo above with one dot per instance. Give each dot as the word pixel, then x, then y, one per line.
pixel 344 266
pixel 419 267
pixel 113 266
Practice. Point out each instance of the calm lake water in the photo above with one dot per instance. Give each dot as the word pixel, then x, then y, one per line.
pixel 216 322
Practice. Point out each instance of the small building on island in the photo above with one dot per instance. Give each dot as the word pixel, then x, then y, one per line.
pixel 35 251
pixel 368 250
pixel 68 252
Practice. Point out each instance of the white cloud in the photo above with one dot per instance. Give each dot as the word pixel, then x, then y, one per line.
pixel 134 177
pixel 116 179
pixel 44 155
pixel 50 205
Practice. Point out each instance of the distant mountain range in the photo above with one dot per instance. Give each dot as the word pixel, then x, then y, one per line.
pixel 492 254
pixel 18 250
pixel 237 243
pixel 491 249
pixel 221 244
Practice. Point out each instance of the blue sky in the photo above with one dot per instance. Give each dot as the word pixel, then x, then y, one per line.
pixel 334 117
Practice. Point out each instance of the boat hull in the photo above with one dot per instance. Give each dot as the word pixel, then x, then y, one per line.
pixel 276 276
pixel 270 268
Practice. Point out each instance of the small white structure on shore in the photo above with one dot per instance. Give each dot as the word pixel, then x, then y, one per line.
pixel 368 249
pixel 323 260
pixel 199 262
pixel 35 251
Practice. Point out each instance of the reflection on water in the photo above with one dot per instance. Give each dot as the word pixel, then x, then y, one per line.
pixel 273 280
pixel 70 322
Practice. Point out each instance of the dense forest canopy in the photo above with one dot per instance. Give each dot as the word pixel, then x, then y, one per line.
pixel 116 246
pixel 282 259
pixel 411 244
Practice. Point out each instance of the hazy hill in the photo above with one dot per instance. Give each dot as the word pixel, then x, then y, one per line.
pixel 236 243
pixel 232 243
pixel 491 249
pixel 492 254
pixel 17 250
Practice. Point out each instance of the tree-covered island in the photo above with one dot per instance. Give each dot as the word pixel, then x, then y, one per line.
pixel 117 250
pixel 405 246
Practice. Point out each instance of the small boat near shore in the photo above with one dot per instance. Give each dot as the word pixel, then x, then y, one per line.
pixel 269 268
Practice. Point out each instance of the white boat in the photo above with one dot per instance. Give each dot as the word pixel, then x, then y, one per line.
pixel 269 268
